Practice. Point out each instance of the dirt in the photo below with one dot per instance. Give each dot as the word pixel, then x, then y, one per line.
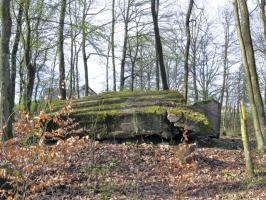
pixel 147 171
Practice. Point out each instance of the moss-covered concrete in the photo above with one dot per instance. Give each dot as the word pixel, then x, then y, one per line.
pixel 189 114
pixel 129 114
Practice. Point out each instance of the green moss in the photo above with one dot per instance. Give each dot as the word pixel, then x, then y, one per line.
pixel 99 112
pixel 190 114
pixel 57 103
pixel 102 114
pixel 101 107
pixel 30 139
pixel 138 93
pixel 159 110
pixel 135 94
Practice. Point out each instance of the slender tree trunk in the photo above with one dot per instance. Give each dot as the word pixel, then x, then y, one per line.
pixel 5 106
pixel 113 45
pixel 22 82
pixel 36 55
pixel 157 67
pixel 72 37
pixel 62 79
pixel 195 34
pixel 225 65
pixel 225 62
pixel 132 76
pixel 245 140
pixel 39 78
pixel 132 68
pixel 225 112
pixel 75 48
pixel 157 71
pixel 14 58
pixel 149 77
pixel 29 84
pixel 250 70
pixel 52 75
pixel 107 67
pixel 191 2
pixel 77 73
pixel 159 48
pixel 122 74
pixel 74 73
pixel 84 53
pixel 133 60
pixel 263 16
pixel 194 74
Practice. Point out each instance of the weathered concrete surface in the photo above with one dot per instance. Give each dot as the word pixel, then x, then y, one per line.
pixel 127 115
pixel 211 110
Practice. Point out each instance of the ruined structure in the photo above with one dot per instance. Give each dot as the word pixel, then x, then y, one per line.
pixel 124 115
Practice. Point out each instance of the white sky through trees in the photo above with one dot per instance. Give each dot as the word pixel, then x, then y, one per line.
pixel 96 65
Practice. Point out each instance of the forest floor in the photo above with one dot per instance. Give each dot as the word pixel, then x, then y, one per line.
pixel 82 169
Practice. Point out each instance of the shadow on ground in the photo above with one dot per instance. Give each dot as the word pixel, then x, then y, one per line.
pixel 210 189
pixel 229 143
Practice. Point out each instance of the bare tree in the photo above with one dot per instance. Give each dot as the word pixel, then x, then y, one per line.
pixel 5 106
pixel 62 79
pixel 158 45
pixel 191 2
pixel 113 45
pixel 263 16
pixel 14 56
pixel 124 51
pixel 248 59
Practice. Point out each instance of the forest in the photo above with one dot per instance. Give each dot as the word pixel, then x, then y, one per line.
pixel 132 99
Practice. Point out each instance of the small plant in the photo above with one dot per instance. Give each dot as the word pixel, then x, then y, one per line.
pixel 98 173
pixel 25 154
pixel 227 174
pixel 29 140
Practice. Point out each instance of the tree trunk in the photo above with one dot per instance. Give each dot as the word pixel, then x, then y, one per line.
pixel 159 48
pixel 225 63
pixel 157 72
pixel 84 53
pixel 122 74
pixel 62 79
pixel 245 140
pixel 30 76
pixel 14 57
pixel 52 74
pixel 107 67
pixel 133 59
pixel 72 37
pixel 195 35
pixel 113 45
pixel 252 66
pixel 263 16
pixel 77 72
pixel 22 82
pixel 243 31
pixel 39 78
pixel 194 74
pixel 191 2
pixel 5 105
pixel 157 67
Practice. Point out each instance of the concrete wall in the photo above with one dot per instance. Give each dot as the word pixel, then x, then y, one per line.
pixel 212 111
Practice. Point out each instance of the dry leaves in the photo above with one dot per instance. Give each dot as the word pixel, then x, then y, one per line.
pixel 79 168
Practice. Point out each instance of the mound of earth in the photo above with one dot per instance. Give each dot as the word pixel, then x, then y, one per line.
pixel 122 115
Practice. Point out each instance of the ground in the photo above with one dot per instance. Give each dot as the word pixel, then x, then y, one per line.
pixel 85 169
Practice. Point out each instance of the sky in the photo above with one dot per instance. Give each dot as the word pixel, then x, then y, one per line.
pixel 97 68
